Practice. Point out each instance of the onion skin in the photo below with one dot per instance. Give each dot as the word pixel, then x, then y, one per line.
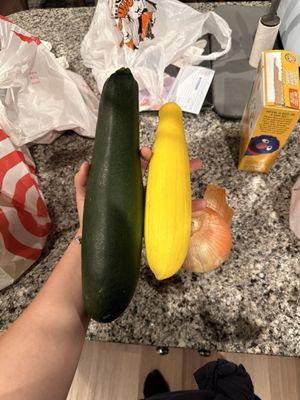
pixel 216 200
pixel 210 241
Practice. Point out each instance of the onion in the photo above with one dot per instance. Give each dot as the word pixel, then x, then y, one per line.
pixel 216 200
pixel 210 241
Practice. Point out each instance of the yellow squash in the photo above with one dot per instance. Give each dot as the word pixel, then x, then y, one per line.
pixel 168 196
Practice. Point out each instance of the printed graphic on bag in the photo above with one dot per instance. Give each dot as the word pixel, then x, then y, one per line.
pixel 24 219
pixel 135 19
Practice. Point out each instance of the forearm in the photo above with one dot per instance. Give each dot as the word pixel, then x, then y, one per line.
pixel 45 343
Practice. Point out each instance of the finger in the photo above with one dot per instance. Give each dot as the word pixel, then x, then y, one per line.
pixel 195 164
pixel 81 177
pixel 146 154
pixel 198 204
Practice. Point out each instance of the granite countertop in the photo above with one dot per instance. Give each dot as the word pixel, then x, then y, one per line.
pixel 251 303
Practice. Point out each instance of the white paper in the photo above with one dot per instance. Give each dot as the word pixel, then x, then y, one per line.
pixel 190 88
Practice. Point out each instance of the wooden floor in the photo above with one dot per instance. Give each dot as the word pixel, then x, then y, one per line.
pixel 114 371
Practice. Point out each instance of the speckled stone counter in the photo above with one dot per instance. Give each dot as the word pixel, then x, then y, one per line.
pixel 251 303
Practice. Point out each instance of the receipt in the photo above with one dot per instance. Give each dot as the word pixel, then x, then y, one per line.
pixel 190 88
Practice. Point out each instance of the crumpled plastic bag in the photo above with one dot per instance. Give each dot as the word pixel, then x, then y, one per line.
pixel 295 209
pixel 38 97
pixel 175 31
pixel 24 219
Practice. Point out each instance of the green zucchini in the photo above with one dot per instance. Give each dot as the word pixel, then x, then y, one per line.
pixel 113 209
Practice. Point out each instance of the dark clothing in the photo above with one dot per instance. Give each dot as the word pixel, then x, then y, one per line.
pixel 186 395
pixel 228 380
pixel 217 380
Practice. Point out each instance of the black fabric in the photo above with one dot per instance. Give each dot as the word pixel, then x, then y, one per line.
pixel 155 383
pixel 217 380
pixel 186 395
pixel 227 379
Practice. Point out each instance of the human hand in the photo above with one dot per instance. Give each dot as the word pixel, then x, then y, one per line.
pixel 81 177
pixel 80 182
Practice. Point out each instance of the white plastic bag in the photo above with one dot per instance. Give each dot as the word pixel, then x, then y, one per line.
pixel 39 97
pixel 176 30
pixel 295 209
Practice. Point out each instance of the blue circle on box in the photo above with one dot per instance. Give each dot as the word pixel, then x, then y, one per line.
pixel 264 144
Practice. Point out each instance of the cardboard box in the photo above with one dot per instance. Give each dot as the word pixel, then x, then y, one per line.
pixel 272 111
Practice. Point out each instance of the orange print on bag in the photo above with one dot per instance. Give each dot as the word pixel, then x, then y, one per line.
pixel 124 7
pixel 146 19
